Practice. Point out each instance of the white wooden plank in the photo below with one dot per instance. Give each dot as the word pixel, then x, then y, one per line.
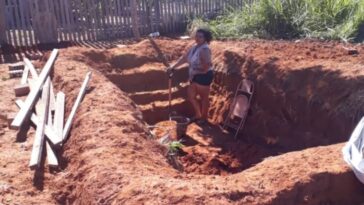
pixel 31 68
pixel 49 131
pixel 52 98
pixel 38 144
pixel 69 121
pixel 24 77
pixel 50 117
pixel 51 156
pixel 59 114
pixel 33 95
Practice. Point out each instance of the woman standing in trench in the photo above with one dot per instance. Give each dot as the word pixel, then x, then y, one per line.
pixel 200 74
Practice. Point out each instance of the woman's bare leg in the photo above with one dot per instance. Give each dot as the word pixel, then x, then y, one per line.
pixel 192 94
pixel 204 92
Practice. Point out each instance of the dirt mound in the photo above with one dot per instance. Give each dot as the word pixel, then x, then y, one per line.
pixel 303 98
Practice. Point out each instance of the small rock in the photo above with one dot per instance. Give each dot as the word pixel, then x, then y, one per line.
pixel 353 52
pixel 5 188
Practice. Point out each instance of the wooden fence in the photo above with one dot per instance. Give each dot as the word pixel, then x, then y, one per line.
pixel 30 22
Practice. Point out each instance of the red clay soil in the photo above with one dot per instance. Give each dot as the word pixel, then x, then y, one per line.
pixel 308 94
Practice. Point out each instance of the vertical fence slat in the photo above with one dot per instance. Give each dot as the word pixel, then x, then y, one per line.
pixel 91 17
pixel 171 10
pixel 53 19
pixel 58 17
pixel 80 20
pixel 163 16
pixel 157 15
pixel 171 19
pixel 128 17
pixel 21 21
pixel 118 19
pixel 24 17
pixel 19 25
pixel 86 16
pixel 67 11
pixel 63 22
pixel 3 27
pixel 18 28
pixel 30 23
pixel 97 19
pixel 179 19
pixel 166 16
pixel 106 18
pixel 11 18
pixel 139 18
pixel 123 28
pixel 94 19
pixel 113 18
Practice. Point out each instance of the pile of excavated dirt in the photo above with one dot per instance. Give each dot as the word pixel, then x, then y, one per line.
pixel 307 100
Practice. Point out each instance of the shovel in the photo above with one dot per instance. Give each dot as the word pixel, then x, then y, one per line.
pixel 164 61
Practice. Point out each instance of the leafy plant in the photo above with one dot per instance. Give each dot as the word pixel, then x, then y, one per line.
pixel 174 146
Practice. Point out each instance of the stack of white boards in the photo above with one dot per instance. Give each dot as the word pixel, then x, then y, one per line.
pixel 354 149
pixel 51 132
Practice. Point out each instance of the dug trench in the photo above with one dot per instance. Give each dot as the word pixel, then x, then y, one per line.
pixel 307 100
pixel 291 110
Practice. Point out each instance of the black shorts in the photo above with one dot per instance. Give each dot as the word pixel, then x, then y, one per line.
pixel 204 79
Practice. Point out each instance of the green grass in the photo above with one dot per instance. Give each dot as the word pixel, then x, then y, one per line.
pixel 287 19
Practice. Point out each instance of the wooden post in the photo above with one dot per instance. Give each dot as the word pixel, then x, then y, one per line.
pixel 2 23
pixel 134 16
pixel 30 101
pixel 38 144
pixel 51 156
pixel 24 77
pixel 52 98
pixel 80 95
pixel 31 68
pixel 59 114
pixel 49 132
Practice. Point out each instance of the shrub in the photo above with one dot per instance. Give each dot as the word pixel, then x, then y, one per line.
pixel 287 19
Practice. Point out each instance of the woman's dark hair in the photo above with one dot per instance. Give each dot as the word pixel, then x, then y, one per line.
pixel 206 34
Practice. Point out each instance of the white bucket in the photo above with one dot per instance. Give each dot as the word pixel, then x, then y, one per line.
pixel 353 151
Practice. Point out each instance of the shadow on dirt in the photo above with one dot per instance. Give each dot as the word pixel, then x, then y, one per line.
pixel 324 189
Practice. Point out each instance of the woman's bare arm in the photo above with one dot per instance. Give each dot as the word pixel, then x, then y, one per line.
pixel 182 60
pixel 205 57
